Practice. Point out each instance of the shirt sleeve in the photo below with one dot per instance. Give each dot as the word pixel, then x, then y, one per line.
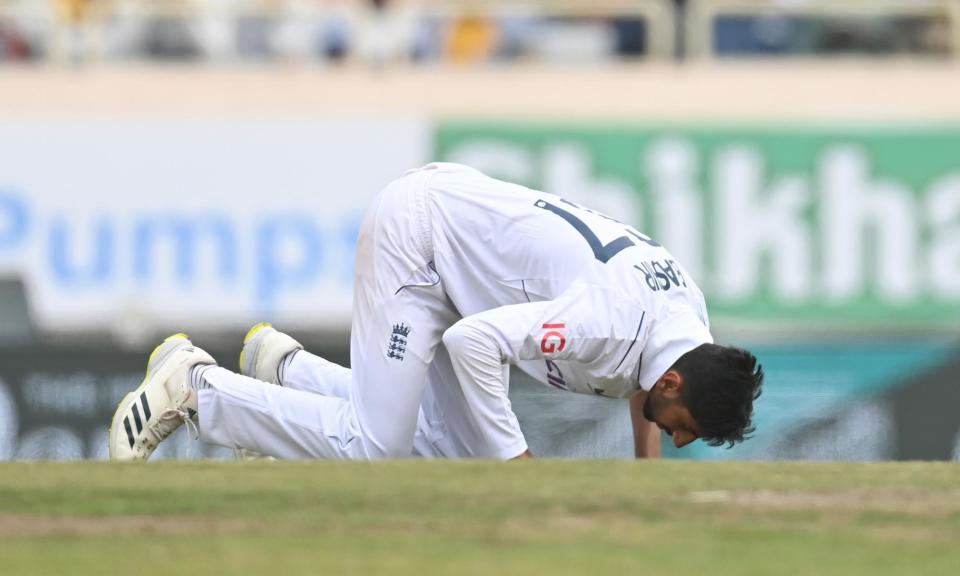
pixel 574 327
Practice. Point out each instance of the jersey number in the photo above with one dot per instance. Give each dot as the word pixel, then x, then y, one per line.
pixel 602 252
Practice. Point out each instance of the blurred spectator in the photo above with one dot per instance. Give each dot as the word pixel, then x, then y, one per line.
pixel 167 33
pixel 384 31
pixel 333 34
pixel 74 16
pixel 516 33
pixel 290 36
pixel 169 38
pixel 215 29
pixel 427 41
pixel 13 45
pixel 754 35
pixel 472 39
pixel 254 36
pixel 335 39
pixel 631 36
pixel 575 40
pixel 24 29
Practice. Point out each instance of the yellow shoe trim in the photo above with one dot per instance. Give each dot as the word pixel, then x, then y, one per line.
pixel 250 334
pixel 253 331
pixel 177 336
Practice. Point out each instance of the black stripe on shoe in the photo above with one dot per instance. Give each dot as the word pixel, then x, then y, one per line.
pixel 126 424
pixel 136 418
pixel 146 405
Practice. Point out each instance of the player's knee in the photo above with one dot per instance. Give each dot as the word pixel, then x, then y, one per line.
pixel 457 337
pixel 453 337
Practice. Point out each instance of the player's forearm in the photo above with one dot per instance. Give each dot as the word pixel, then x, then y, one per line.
pixel 478 364
pixel 646 434
pixel 646 444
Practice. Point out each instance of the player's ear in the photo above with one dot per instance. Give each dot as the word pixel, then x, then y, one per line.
pixel 671 384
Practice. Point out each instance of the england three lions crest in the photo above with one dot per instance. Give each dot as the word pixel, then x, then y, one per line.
pixel 397 346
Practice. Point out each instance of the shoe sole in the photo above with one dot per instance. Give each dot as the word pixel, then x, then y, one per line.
pixel 124 404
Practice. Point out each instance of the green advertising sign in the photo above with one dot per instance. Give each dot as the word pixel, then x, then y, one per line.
pixel 816 227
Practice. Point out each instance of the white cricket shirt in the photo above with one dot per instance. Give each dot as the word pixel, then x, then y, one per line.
pixel 576 299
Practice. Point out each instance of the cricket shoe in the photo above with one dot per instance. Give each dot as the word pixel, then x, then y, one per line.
pixel 264 348
pixel 152 412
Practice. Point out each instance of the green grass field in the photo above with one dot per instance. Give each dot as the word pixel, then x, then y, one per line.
pixel 536 517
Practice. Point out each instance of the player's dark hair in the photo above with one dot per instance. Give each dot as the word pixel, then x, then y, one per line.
pixel 720 384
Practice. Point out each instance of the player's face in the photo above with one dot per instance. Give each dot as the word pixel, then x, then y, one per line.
pixel 664 408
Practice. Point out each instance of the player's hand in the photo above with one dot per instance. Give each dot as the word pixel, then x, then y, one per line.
pixel 528 455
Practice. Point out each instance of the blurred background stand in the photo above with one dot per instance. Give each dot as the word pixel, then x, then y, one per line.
pixel 202 165
pixel 16 329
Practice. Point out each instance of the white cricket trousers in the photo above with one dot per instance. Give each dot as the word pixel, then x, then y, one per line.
pixel 400 312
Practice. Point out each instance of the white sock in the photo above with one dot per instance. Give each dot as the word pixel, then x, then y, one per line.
pixel 197 382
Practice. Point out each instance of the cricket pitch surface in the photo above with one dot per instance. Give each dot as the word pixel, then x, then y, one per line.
pixel 549 517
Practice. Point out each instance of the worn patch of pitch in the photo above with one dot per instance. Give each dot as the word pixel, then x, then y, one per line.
pixel 26 525
pixel 913 502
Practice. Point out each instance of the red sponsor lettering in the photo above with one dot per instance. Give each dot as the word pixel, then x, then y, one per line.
pixel 553 340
